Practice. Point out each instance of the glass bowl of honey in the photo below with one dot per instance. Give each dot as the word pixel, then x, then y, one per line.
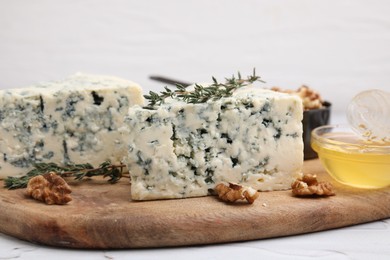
pixel 351 160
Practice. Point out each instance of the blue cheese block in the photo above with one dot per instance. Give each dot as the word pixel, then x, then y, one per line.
pixel 183 150
pixel 76 120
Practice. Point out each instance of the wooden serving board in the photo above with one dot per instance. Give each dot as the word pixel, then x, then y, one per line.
pixel 102 215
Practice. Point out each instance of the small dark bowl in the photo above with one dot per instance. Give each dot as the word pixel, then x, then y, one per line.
pixel 311 120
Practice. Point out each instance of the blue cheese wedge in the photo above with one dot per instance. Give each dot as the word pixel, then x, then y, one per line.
pixel 76 120
pixel 180 150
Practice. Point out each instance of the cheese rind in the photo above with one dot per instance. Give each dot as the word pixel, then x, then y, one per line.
pixel 182 150
pixel 76 120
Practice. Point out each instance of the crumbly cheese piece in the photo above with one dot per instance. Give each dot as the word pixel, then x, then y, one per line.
pixel 253 138
pixel 76 120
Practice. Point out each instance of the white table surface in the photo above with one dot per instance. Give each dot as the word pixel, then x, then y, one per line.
pixel 365 241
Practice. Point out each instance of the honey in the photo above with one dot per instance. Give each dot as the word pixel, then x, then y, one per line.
pixel 351 160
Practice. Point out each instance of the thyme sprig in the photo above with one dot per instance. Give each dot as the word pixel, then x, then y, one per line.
pixel 202 94
pixel 78 171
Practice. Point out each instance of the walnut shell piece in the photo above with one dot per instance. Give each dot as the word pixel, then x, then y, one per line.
pixel 308 185
pixel 234 192
pixel 49 188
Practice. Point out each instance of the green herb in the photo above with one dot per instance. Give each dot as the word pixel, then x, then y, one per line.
pixel 202 94
pixel 78 171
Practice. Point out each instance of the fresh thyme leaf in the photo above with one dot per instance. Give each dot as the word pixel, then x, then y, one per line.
pixel 106 169
pixel 202 94
pixel 78 171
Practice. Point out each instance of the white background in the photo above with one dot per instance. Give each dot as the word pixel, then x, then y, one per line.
pixel 337 47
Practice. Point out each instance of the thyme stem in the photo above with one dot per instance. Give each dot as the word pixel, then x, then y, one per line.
pixel 78 171
pixel 202 94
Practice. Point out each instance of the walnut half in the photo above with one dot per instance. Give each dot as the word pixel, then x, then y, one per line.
pixel 235 192
pixel 49 188
pixel 308 185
